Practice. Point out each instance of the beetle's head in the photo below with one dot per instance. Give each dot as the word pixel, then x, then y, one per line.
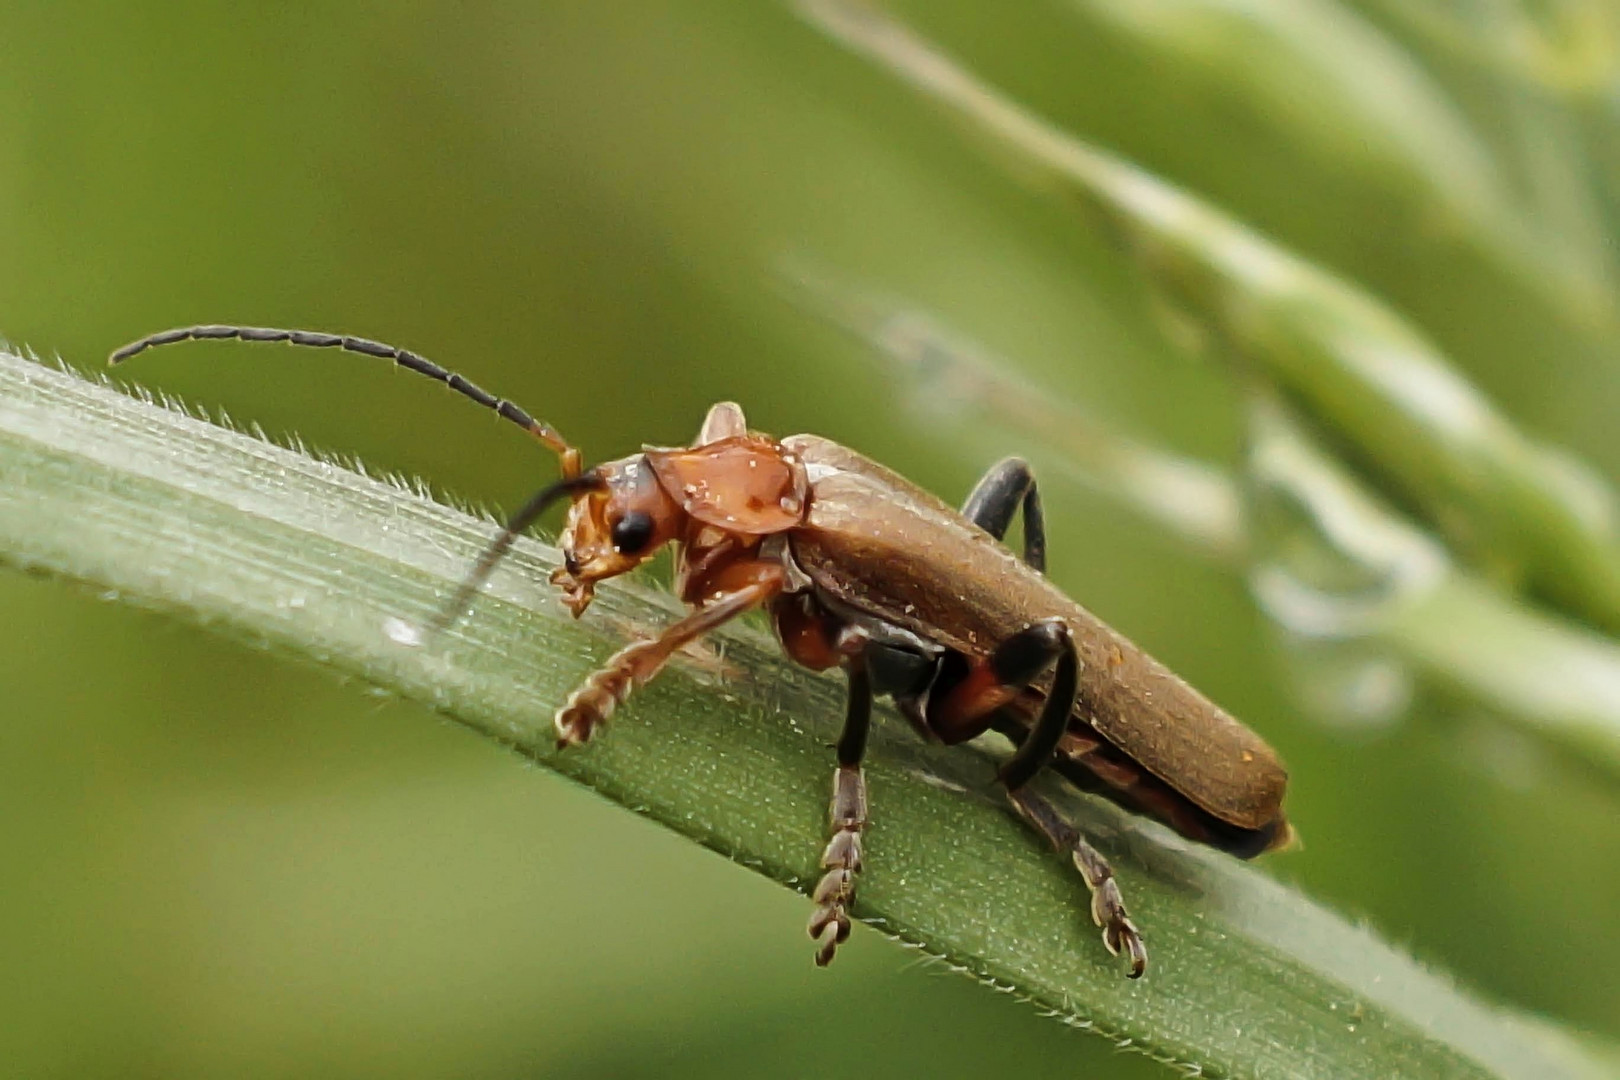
pixel 613 527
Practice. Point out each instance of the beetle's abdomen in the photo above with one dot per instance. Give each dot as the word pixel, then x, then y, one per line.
pixel 876 542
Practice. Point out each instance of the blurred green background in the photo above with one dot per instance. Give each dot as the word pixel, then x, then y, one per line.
pixel 217 863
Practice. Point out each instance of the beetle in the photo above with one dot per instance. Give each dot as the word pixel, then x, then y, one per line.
pixel 862 570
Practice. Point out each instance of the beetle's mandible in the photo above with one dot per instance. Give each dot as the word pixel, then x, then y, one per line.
pixel 861 569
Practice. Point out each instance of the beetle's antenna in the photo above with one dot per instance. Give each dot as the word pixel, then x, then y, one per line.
pixel 519 523
pixel 404 358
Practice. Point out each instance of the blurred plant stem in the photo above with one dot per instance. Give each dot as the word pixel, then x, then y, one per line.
pixel 1336 564
pixel 1524 513
pixel 943 373
pixel 1572 49
pixel 1378 112
pixel 165 511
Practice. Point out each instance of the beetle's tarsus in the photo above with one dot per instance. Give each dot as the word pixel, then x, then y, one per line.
pixel 591 706
pixel 834 894
pixel 1119 934
pixel 593 703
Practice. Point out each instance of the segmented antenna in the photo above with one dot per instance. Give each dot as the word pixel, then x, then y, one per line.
pixel 570 457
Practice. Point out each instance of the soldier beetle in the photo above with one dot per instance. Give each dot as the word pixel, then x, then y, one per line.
pixel 860 569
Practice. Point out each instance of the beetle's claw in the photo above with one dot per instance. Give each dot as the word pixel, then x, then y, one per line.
pixel 1119 934
pixel 1138 954
pixel 834 894
pixel 578 720
pixel 829 925
pixel 575 726
pixel 1123 935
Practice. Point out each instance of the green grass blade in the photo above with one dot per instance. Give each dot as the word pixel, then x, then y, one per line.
pixel 729 748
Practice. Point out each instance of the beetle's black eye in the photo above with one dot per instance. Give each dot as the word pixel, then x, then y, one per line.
pixel 632 532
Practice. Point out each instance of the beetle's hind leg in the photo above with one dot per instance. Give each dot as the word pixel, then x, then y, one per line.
pixel 1107 905
pixel 1034 753
pixel 996 497
pixel 991 506
pixel 835 892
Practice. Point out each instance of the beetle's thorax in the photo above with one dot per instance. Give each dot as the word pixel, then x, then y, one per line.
pixel 717 501
pixel 730 524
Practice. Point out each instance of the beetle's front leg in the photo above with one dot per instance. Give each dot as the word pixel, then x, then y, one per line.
pixel 835 892
pixel 588 707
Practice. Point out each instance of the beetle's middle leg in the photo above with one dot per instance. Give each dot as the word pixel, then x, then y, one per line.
pixel 996 497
